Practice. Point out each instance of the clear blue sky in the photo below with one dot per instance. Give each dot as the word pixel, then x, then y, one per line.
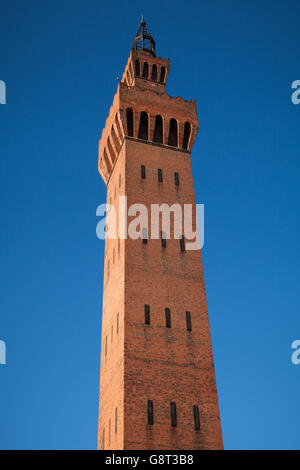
pixel 60 61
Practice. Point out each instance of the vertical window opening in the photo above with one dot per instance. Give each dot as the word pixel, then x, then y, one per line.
pixel 186 135
pixel 158 130
pixel 196 417
pixel 143 172
pixel 145 70
pixel 173 414
pixel 150 412
pixel 163 239
pixel 188 321
pixel 137 68
pixel 145 235
pixel 143 128
pixel 120 180
pixel 162 74
pixel 176 176
pixel 147 314
pixel 160 175
pixel 154 73
pixel 182 243
pixel 173 133
pixel 168 317
pixel 129 119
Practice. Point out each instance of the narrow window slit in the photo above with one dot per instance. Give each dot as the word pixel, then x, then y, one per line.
pixel 188 321
pixel 173 414
pixel 168 317
pixel 163 239
pixel 196 417
pixel 145 236
pixel 147 314
pixel 150 412
pixel 182 243
pixel 160 175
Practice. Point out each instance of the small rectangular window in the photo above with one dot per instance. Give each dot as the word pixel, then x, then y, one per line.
pixel 150 412
pixel 143 172
pixel 116 420
pixel 163 239
pixel 182 243
pixel 196 417
pixel 188 321
pixel 105 345
pixel 173 414
pixel 147 314
pixel 160 176
pixel 168 317
pixel 117 323
pixel 176 176
pixel 145 235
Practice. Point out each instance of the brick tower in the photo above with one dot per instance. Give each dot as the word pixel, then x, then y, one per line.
pixel 157 380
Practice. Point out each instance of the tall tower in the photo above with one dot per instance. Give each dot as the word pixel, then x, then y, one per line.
pixel 157 379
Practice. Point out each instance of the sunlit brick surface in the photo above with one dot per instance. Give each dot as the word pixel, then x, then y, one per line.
pixel 152 362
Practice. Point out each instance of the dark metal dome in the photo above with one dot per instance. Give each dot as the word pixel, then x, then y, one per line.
pixel 143 40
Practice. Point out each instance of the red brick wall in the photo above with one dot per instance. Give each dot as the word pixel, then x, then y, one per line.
pixel 152 362
pixel 163 364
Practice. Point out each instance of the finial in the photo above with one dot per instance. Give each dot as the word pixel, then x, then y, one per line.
pixel 143 39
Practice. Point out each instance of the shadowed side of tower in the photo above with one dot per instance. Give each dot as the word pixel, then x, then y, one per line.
pixel 157 379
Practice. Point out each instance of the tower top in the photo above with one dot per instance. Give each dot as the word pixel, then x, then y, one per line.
pixel 143 39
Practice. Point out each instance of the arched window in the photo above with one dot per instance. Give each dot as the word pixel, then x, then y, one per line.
pixel 158 130
pixel 137 68
pixel 143 129
pixel 186 135
pixel 129 118
pixel 145 70
pixel 154 73
pixel 162 74
pixel 173 138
